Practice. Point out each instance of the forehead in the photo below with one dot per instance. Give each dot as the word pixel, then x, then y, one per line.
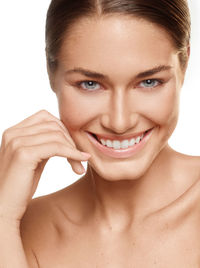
pixel 119 41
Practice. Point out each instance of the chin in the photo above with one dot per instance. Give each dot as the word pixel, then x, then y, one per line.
pixel 121 170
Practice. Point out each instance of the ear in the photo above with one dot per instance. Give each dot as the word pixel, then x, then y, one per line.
pixel 184 68
pixel 187 55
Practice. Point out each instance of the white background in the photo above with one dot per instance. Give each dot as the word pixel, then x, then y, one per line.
pixel 25 87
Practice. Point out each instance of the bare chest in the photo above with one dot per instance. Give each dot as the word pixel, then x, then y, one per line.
pixel 147 247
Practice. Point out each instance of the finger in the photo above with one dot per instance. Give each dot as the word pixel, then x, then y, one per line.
pixel 37 153
pixel 39 117
pixel 41 138
pixel 45 127
pixel 76 166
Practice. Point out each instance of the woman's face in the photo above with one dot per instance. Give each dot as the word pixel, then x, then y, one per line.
pixel 137 88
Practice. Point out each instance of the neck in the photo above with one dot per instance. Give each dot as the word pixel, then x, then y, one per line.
pixel 120 203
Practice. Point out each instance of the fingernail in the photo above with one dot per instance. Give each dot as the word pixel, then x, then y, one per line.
pixel 86 155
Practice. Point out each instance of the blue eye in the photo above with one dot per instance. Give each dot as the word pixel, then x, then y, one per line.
pixel 150 83
pixel 89 85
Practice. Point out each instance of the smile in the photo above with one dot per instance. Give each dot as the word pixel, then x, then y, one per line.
pixel 120 148
pixel 124 144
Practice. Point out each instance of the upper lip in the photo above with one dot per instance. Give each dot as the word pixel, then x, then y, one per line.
pixel 122 137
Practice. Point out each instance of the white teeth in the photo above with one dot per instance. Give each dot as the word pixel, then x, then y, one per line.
pixel 137 139
pixel 109 143
pixel 131 142
pixel 103 141
pixel 116 144
pixel 124 144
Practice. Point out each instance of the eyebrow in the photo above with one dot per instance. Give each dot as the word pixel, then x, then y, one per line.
pixel 96 75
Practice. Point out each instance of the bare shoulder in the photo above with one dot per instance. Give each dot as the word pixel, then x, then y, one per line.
pixel 187 164
pixel 43 212
pixel 189 171
pixel 194 162
pixel 194 165
pixel 40 217
pixel 33 229
pixel 40 227
pixel 44 222
pixel 186 172
pixel 190 180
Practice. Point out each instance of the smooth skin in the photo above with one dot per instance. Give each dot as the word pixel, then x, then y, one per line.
pixel 142 211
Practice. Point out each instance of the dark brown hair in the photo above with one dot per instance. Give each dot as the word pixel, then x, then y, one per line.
pixel 173 16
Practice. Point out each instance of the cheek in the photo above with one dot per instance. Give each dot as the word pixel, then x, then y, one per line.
pixel 162 107
pixel 75 111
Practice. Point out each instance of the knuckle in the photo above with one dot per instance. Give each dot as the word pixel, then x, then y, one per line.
pixel 58 146
pixel 21 153
pixel 14 143
pixel 44 113
pixel 6 135
pixel 54 125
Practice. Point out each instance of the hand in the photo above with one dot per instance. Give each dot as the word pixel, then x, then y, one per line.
pixel 24 152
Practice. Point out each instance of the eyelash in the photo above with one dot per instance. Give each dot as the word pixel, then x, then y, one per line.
pixel 78 84
pixel 159 81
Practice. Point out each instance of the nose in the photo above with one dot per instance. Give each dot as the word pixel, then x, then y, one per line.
pixel 119 116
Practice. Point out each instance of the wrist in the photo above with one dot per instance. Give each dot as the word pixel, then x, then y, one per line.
pixel 8 223
pixel 9 217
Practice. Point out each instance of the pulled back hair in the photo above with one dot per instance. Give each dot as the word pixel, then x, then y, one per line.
pixel 173 16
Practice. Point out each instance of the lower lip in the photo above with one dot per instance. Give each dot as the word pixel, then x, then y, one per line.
pixel 122 153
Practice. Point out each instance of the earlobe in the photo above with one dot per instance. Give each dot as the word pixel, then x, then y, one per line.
pixel 187 57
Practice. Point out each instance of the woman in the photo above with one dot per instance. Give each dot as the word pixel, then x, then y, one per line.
pixel 117 68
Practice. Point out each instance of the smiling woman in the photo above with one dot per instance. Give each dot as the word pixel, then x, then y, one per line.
pixel 117 69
